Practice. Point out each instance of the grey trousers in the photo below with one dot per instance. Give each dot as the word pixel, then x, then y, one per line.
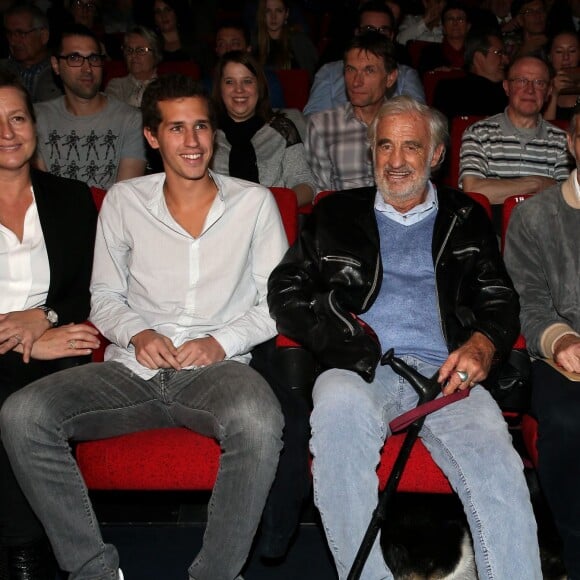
pixel 227 400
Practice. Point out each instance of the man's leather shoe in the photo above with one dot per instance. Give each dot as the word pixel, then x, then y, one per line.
pixel 4 563
pixel 31 562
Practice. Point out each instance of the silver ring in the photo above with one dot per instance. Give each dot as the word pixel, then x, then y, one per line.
pixel 17 338
pixel 463 375
pixel 72 343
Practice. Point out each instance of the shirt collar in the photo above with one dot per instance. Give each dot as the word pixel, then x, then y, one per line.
pixel 349 113
pixel 415 214
pixel 510 129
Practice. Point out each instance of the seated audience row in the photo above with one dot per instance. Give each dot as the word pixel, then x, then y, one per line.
pixel 164 368
pixel 159 362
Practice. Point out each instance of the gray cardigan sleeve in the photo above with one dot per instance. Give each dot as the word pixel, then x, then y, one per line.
pixel 295 167
pixel 538 273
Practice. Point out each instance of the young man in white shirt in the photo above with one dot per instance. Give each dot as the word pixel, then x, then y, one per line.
pixel 182 259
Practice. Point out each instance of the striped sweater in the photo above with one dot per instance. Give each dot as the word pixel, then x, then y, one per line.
pixel 495 148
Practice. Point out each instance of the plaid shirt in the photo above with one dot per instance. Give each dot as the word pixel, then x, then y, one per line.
pixel 338 150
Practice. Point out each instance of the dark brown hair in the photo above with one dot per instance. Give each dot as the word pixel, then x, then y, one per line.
pixel 8 79
pixel 168 88
pixel 263 106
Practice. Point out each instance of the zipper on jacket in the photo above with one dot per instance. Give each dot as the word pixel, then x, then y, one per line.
pixel 465 250
pixel 374 284
pixel 437 258
pixel 343 259
pixel 347 322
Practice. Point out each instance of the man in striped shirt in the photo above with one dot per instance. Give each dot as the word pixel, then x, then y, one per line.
pixel 515 152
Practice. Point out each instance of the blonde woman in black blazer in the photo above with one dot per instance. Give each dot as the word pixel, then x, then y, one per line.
pixel 47 230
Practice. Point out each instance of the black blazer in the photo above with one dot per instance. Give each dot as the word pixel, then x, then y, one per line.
pixel 68 217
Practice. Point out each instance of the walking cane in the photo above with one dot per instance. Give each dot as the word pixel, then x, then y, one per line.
pixel 427 389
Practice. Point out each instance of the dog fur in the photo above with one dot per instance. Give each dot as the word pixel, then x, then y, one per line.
pixel 427 538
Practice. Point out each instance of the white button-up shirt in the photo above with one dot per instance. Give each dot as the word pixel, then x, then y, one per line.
pixel 24 265
pixel 149 273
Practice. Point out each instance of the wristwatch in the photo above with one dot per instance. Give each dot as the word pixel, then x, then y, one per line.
pixel 51 315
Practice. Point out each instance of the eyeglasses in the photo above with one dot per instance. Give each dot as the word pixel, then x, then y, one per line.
pixel 77 60
pixel 497 51
pixel 380 29
pixel 458 19
pixel 139 50
pixel 522 83
pixel 528 11
pixel 85 5
pixel 21 34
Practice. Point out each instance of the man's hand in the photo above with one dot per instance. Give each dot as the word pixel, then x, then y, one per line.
pixel 155 351
pixel 567 353
pixel 562 81
pixel 200 352
pixel 22 328
pixel 69 340
pixel 473 358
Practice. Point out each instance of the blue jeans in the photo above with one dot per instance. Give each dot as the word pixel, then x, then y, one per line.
pixel 227 400
pixel 469 441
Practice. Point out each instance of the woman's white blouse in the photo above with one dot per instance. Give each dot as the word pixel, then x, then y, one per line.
pixel 24 268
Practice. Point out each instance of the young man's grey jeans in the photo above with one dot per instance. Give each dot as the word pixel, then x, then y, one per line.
pixel 227 400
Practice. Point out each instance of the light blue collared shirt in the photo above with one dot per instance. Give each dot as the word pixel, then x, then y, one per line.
pixel 416 214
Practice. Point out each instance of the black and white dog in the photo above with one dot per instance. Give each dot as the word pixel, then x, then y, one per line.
pixel 427 538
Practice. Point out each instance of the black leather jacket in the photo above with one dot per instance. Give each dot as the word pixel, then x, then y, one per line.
pixel 334 270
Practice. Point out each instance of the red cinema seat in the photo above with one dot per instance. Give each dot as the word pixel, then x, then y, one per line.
pixel 415 48
pixel 506 212
pixel 458 126
pixel 432 77
pixel 184 67
pixel 295 87
pixel 113 69
pixel 529 425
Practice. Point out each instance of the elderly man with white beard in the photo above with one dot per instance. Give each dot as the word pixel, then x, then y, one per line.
pixel 420 267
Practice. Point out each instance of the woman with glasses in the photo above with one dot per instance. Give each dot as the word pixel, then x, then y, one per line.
pixel 278 45
pixel 531 18
pixel 142 52
pixel 564 54
pixel 47 231
pixel 449 54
